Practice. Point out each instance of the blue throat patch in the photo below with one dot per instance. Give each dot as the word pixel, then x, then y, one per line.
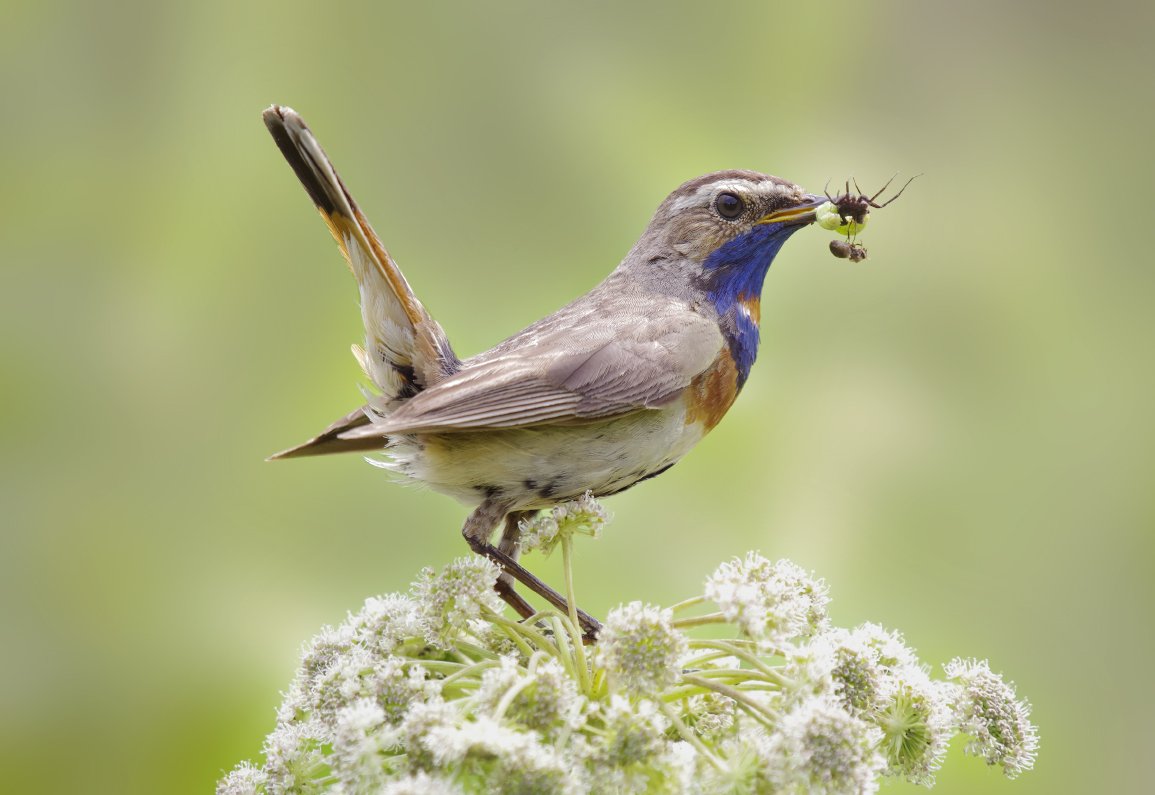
pixel 734 273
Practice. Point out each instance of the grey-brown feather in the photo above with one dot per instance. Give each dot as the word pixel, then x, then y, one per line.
pixel 566 369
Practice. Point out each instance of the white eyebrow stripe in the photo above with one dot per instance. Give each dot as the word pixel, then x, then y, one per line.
pixel 699 197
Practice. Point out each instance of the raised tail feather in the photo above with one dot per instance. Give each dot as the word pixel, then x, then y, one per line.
pixel 405 349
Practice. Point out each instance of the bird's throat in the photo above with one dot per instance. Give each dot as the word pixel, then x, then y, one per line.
pixel 734 274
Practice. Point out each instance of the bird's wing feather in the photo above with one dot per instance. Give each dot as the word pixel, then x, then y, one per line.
pixel 568 375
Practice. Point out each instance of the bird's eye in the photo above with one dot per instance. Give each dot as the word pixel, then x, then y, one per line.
pixel 729 206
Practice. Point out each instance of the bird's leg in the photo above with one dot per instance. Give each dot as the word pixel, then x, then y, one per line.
pixel 508 544
pixel 590 626
pixel 477 530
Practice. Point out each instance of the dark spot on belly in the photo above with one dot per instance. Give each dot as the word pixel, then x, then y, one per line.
pixel 489 491
pixel 544 490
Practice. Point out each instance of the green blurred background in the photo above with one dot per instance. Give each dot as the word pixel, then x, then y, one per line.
pixel 956 434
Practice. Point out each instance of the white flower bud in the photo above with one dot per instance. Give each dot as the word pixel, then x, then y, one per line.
pixel 987 709
pixel 819 747
pixel 244 779
pixel 640 649
pixel 770 602
pixel 583 516
pixel 449 601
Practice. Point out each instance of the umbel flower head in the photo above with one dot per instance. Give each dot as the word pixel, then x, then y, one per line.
pixel 986 708
pixel 451 600
pixel 770 602
pixel 640 649
pixel 876 676
pixel 437 691
pixel 583 516
pixel 820 747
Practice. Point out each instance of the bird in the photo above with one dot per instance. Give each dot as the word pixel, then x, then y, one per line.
pixel 610 390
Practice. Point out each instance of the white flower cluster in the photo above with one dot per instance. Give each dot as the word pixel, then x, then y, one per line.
pixel 770 602
pixel 583 516
pixel 451 602
pixel 436 691
pixel 987 709
pixel 820 747
pixel 873 675
pixel 640 650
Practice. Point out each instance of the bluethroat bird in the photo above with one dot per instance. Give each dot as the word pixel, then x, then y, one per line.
pixel 606 392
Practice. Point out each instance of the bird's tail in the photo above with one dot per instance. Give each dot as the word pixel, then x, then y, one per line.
pixel 405 349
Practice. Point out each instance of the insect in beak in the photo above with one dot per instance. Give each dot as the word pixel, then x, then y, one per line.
pixel 848 214
pixel 844 249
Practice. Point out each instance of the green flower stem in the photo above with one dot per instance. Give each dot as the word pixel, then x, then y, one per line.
pixel 462 689
pixel 571 601
pixel 571 636
pixel 475 650
pixel 467 671
pixel 566 552
pixel 686 603
pixel 600 685
pixel 509 696
pixel 519 632
pixel 561 633
pixel 753 660
pixel 702 659
pixel 688 735
pixel 517 636
pixel 442 666
pixel 756 710
pixel 540 616
pixel 534 661
pixel 682 692
pixel 698 621
pixel 740 676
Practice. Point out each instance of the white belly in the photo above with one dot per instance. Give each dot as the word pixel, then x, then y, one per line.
pixel 541 466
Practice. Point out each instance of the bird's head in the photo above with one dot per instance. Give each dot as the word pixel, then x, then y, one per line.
pixel 712 241
pixel 722 227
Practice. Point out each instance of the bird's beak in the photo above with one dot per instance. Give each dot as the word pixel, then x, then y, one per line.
pixel 799 214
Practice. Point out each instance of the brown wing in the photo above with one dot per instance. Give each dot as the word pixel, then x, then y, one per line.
pixel 623 364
